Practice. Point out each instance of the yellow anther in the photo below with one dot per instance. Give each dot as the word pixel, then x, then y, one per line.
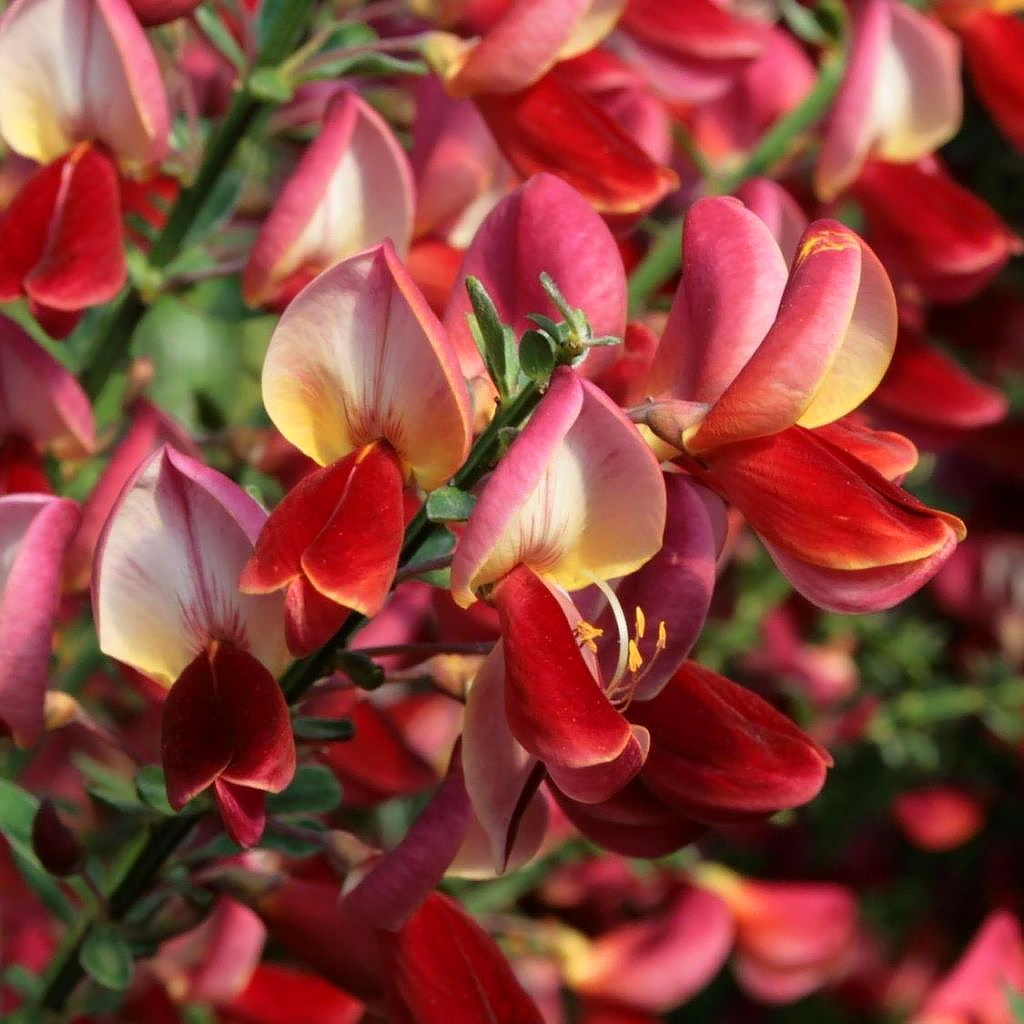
pixel 636 659
pixel 662 637
pixel 641 622
pixel 586 634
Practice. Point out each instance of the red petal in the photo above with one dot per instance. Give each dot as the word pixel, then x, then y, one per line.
pixel 354 557
pixel 195 746
pixel 282 995
pixel 814 501
pixel 720 753
pixel 292 527
pixel 993 44
pixel 61 234
pixel 310 618
pixel 634 822
pixel 241 810
pixel 444 966
pixel 555 707
pixel 552 126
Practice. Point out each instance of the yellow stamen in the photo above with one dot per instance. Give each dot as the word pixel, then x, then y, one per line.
pixel 635 657
pixel 662 637
pixel 641 622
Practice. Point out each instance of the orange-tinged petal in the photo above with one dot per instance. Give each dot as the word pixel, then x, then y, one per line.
pixel 73 72
pixel 359 357
pixel 827 350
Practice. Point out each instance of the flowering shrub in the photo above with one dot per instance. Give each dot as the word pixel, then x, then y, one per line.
pixel 482 502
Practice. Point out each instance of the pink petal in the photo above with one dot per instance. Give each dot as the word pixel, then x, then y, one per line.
pixel 779 210
pixel 351 190
pixel 72 72
pixel 500 773
pixel 542 226
pixel 166 570
pixel 728 298
pixel 660 961
pixel 35 531
pixel 358 357
pixel 829 347
pixel 900 99
pixel 39 400
pixel 578 496
pixel 149 428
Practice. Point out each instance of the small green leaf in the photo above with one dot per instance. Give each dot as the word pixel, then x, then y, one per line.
pixel 217 34
pixel 365 65
pixel 449 505
pixel 270 85
pixel 547 325
pixel 322 730
pixel 108 787
pixel 217 208
pixel 537 356
pixel 1015 1002
pixel 437 544
pixel 314 790
pixel 496 343
pixel 107 958
pixel 150 786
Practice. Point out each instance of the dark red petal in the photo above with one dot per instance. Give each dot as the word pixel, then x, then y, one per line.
pixel 241 810
pixel 553 126
pixel 634 822
pixel 292 526
pixel 21 468
pixel 254 714
pixel 443 966
pixel 720 753
pixel 354 557
pixel 555 707
pixel 195 746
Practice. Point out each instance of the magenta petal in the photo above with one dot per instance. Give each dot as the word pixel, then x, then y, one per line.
pixel 733 278
pixel 544 225
pixel 35 531
pixel 674 587
pixel 241 810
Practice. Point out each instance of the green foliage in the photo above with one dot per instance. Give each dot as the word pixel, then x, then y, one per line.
pixel 107 957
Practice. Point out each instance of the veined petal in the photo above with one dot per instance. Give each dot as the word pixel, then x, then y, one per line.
pixel 39 399
pixel 816 502
pixel 553 126
pixel 555 706
pixel 720 753
pixel 166 570
pixel 35 531
pixel 72 72
pixel 578 496
pixel 733 278
pixel 890 454
pixel 358 357
pixel 351 190
pixel 544 225
pixel 829 347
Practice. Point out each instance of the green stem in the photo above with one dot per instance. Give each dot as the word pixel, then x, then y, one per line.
pixel 163 839
pixel 111 345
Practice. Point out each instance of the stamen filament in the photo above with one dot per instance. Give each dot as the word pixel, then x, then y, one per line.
pixel 623 630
